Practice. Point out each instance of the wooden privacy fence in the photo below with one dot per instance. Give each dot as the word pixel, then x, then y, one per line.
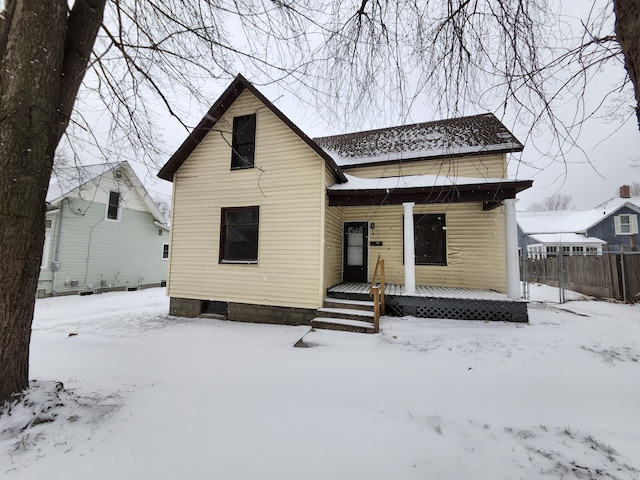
pixel 609 275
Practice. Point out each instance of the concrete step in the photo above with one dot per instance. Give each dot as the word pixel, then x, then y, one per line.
pixel 348 304
pixel 346 313
pixel 342 324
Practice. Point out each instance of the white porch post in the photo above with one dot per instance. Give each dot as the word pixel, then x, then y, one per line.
pixel 409 250
pixel 511 243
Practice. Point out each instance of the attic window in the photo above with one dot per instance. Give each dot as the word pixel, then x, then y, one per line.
pixel 244 142
pixel 113 208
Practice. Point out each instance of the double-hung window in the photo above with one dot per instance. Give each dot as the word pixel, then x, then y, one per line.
pixel 430 237
pixel 239 235
pixel 626 224
pixel 244 142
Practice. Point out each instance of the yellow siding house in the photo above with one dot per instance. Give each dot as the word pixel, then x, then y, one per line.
pixel 265 219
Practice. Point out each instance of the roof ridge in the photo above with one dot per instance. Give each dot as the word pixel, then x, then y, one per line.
pixel 407 125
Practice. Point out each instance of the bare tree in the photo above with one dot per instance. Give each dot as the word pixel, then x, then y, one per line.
pixel 559 201
pixel 127 58
pixel 164 206
pixel 634 189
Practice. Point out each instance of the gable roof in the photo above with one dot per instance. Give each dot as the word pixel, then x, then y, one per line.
pixel 474 135
pixel 214 114
pixel 63 185
pixel 573 221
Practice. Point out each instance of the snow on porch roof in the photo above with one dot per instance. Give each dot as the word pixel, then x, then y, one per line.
pixel 474 135
pixel 566 238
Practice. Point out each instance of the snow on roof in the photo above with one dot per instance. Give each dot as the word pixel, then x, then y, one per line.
pixel 564 238
pixel 65 180
pixel 410 181
pixel 572 221
pixel 467 135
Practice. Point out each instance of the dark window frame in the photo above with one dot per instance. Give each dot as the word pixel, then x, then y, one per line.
pixel 165 251
pixel 225 249
pixel 113 209
pixel 243 143
pixel 435 229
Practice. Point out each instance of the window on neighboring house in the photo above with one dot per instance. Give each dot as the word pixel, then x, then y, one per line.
pixel 113 208
pixel 244 142
pixel 239 235
pixel 430 233
pixel 165 250
pixel 625 224
pixel 552 250
pixel 44 263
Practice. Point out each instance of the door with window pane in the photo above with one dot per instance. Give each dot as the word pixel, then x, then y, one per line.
pixel 355 258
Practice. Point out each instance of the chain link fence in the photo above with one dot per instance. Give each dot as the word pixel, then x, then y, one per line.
pixel 559 277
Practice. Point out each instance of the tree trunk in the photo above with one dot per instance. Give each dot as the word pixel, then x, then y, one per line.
pixel 628 35
pixel 41 67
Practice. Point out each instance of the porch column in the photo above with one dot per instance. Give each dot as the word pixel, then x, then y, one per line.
pixel 511 244
pixel 409 250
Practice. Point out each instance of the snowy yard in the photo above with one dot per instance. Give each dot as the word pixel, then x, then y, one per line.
pixel 147 396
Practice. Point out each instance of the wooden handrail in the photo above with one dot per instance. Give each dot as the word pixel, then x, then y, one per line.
pixel 378 294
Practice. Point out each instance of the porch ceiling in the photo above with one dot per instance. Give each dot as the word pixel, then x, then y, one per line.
pixel 490 194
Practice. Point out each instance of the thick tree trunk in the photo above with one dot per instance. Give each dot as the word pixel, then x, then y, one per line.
pixel 628 35
pixel 40 71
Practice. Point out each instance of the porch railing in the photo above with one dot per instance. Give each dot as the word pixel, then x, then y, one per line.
pixel 377 291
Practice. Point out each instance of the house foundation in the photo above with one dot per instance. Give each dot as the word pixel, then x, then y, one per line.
pixel 241 312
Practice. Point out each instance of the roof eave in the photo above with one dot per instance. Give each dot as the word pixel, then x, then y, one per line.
pixel 490 194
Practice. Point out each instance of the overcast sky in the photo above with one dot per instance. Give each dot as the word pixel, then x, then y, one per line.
pixel 601 160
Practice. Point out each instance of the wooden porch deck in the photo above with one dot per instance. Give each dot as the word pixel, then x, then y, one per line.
pixel 394 289
pixel 440 302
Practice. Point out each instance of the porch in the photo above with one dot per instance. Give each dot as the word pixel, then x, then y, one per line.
pixel 439 302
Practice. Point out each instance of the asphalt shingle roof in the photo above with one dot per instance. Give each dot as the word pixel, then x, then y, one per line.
pixel 478 134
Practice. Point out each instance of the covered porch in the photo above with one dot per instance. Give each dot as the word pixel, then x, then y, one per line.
pixel 439 302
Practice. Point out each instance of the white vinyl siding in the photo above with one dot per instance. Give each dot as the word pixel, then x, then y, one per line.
pixel 286 183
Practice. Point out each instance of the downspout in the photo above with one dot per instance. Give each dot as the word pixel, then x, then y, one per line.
pixel 56 263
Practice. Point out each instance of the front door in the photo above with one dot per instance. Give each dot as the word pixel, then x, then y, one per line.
pixel 355 258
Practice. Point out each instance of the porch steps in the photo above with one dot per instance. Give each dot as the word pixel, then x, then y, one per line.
pixel 330 302
pixel 345 315
pixel 342 324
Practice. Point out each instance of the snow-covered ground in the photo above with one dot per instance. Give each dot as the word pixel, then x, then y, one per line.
pixel 147 396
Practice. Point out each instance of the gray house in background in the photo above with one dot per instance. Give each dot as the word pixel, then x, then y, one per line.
pixel 103 232
pixel 611 226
